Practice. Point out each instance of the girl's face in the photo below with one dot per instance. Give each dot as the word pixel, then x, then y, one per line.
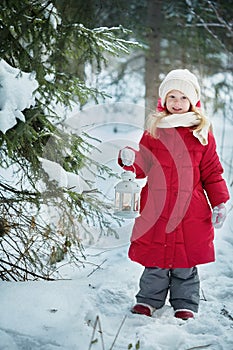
pixel 177 102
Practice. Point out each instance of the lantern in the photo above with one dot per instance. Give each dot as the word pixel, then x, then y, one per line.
pixel 127 196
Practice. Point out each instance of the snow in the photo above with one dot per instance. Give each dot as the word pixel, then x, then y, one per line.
pixel 89 307
pixel 16 94
pixel 61 314
pixel 63 178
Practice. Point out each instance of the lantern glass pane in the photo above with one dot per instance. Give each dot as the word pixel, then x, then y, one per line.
pixel 136 202
pixel 126 202
pixel 118 201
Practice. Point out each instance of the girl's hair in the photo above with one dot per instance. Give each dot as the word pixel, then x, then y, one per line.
pixel 154 119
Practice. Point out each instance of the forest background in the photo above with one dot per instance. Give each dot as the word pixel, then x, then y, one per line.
pixel 83 53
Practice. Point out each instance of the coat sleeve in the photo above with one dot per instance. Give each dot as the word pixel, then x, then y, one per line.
pixel 142 161
pixel 211 175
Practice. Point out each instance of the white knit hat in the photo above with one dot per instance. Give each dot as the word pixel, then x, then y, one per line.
pixel 182 80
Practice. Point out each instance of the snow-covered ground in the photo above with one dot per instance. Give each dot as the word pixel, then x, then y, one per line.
pixel 89 309
pixel 92 307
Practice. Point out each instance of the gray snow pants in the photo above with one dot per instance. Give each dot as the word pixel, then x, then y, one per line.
pixel 183 285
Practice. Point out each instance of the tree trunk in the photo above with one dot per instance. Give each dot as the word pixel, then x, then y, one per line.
pixel 152 64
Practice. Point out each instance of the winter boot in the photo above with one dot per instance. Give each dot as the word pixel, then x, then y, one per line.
pixel 143 309
pixel 184 314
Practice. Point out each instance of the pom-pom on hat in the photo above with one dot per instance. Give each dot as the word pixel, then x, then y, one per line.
pixel 182 80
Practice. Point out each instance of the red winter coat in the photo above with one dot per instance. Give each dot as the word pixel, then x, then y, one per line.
pixel 184 178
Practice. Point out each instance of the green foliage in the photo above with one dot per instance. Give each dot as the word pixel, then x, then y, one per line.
pixel 137 345
pixel 36 38
pixel 192 34
pixel 203 34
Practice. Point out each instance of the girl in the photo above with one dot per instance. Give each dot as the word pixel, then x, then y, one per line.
pixel 182 200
